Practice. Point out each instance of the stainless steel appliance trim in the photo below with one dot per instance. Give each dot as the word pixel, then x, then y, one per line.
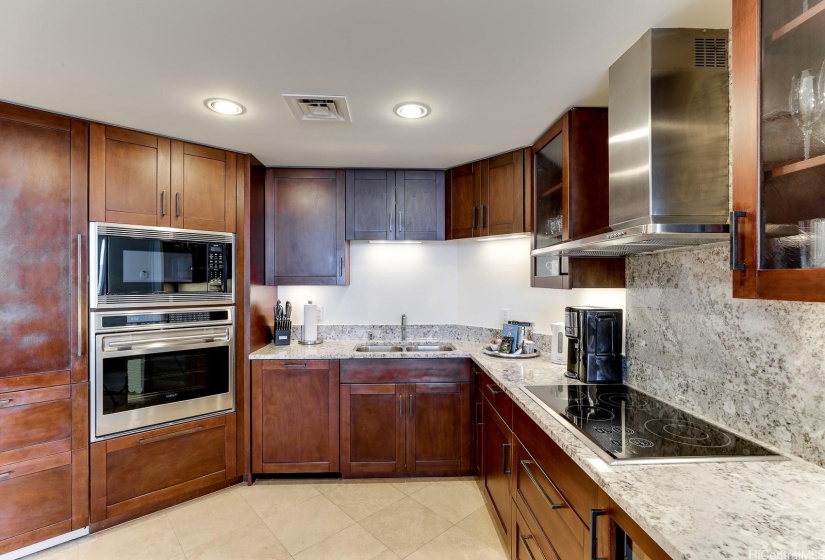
pixel 96 259
pixel 612 461
pixel 133 421
pixel 79 295
pixel 96 322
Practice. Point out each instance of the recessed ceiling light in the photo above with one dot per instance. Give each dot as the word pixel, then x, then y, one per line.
pixel 412 110
pixel 224 106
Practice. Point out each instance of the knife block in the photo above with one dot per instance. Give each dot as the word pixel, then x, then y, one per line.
pixel 283 337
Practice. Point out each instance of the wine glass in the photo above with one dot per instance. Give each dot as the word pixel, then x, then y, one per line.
pixel 806 101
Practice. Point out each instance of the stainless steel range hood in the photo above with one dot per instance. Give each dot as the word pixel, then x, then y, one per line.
pixel 668 147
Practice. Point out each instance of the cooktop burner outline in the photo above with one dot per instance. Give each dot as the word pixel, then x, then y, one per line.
pixel 623 425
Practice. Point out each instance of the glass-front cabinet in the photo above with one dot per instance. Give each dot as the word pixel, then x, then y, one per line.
pixel 778 85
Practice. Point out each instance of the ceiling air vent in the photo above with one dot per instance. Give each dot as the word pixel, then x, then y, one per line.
pixel 326 108
pixel 710 53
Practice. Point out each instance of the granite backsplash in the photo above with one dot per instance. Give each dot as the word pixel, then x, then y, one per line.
pixel 755 366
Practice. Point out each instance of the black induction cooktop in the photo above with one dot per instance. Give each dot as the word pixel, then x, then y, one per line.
pixel 624 425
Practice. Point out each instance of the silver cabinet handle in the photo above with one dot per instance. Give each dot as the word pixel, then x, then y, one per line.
pixel 526 464
pixel 295 365
pixel 400 220
pixel 79 295
pixel 482 216
pixel 504 448
pixel 162 203
pixel 5 475
pixel 177 205
pixel 172 435
pixel 735 263
pixel 478 408
pixel 594 539
pixel 474 217
pixel 401 406
pixel 411 405
pixel 342 267
pixel 524 539
pixel 389 221
pixel 493 391
pixel 6 402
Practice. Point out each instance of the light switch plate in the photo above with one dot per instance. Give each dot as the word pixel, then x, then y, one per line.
pixel 505 315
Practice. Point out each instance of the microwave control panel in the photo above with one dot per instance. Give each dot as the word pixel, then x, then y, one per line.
pixel 216 267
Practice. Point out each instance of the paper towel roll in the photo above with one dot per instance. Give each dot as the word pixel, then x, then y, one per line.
pixel 310 323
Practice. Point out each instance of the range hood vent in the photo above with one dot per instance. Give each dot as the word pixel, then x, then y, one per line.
pixel 668 118
pixel 318 108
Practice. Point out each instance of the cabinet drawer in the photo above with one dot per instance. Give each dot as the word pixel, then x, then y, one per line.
pixel 42 420
pixel 406 370
pixel 576 487
pixel 139 470
pixel 536 493
pixel 283 365
pixel 529 543
pixel 501 402
pixel 35 494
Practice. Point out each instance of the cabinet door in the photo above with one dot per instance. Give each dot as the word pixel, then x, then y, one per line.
pixel 43 181
pixel 295 416
pixel 419 206
pixel 438 428
pixel 478 423
pixel 498 463
pixel 507 195
pixel 203 187
pixel 135 474
pixel 128 177
pixel 305 242
pixel 370 204
pixel 373 429
pixel 778 247
pixel 481 197
pixel 461 215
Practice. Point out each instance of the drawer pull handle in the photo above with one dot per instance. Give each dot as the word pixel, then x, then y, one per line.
pixel 524 539
pixel 594 539
pixel 172 435
pixel 5 475
pixel 526 464
pixel 295 365
pixel 411 406
pixel 6 402
pixel 504 448
pixel 478 408
pixel 401 406
pixel 491 389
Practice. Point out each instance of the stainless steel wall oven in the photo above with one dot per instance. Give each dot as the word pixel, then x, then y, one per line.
pixel 160 366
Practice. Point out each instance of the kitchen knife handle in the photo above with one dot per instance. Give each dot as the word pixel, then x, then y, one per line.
pixel 594 538
pixel 504 448
pixel 735 264
pixel 79 295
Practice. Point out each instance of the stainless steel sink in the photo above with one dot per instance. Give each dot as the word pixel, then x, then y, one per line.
pixel 434 347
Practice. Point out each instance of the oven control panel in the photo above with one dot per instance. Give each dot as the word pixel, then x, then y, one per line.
pixel 215 267
pixel 114 321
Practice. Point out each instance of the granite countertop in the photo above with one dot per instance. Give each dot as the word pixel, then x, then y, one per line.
pixel 757 509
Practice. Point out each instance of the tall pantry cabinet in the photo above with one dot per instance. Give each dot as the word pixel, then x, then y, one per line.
pixel 44 460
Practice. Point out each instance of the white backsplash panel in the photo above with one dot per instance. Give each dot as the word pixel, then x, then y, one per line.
pixel 755 366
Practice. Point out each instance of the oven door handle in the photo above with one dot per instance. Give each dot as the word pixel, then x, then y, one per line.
pixel 163 342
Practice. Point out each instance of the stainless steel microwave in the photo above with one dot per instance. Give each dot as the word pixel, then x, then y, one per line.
pixel 132 266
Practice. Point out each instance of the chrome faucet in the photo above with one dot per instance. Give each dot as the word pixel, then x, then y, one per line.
pixel 403 327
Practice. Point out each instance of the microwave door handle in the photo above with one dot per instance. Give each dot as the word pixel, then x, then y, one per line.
pixel 101 272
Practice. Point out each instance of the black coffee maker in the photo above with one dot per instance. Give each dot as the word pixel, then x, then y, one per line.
pixel 594 344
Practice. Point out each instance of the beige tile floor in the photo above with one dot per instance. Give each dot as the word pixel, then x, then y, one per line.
pixel 381 519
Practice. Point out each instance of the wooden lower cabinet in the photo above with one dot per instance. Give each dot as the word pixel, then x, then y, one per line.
pixel 373 429
pixel 498 465
pixel 438 428
pixel 139 473
pixel 478 424
pixel 294 416
pixel 528 542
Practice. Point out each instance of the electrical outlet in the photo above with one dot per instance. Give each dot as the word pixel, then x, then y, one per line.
pixel 319 313
pixel 505 314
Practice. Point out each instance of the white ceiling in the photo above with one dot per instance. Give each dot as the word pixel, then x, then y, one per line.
pixel 495 72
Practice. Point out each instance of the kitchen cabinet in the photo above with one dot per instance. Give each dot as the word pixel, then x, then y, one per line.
pixel 498 464
pixel 295 416
pixel 140 473
pixel 387 204
pixel 405 416
pixel 143 179
pixel 478 422
pixel 490 196
pixel 305 227
pixel 778 238
pixel 528 541
pixel 571 200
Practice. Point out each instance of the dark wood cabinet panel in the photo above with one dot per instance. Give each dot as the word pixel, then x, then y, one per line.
pixel 478 423
pixel 129 177
pixel 439 432
pixel 370 202
pixel 419 205
pixel 373 426
pixel 305 227
pixel 203 187
pixel 134 474
pixel 39 417
pixel 405 370
pixel 295 416
pixel 43 164
pixel 569 166
pixel 498 464
pixel 527 541
pixel 490 197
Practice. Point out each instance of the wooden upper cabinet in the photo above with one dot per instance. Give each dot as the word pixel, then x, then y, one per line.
pixel 490 196
pixel 203 187
pixel 387 204
pixel 778 225
pixel 304 225
pixel 129 176
pixel 142 179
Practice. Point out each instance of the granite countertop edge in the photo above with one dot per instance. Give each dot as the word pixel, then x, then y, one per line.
pixel 729 509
